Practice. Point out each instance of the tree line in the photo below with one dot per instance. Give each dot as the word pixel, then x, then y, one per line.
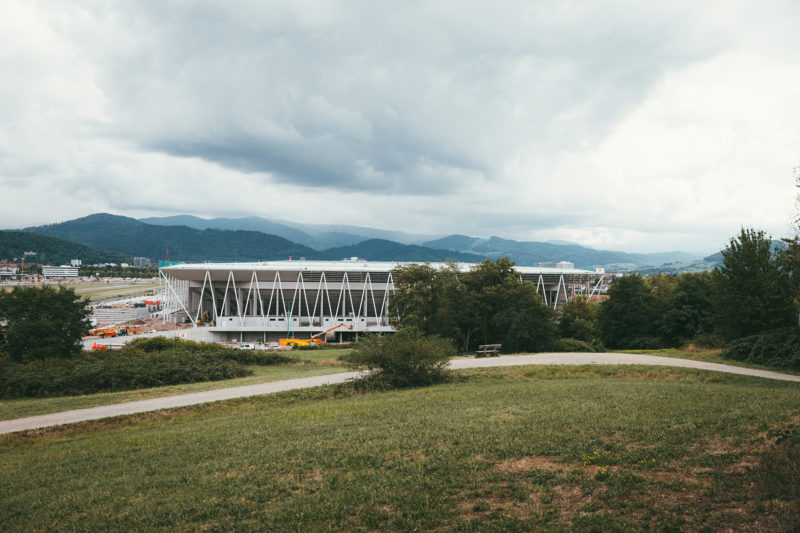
pixel 753 291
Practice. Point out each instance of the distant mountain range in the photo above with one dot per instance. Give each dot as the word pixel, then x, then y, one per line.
pixel 317 236
pixel 189 238
pixel 129 236
pixel 50 250
pixel 136 238
pixel 383 250
pixel 532 253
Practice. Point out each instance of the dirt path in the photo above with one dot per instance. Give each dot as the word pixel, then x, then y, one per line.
pixel 167 402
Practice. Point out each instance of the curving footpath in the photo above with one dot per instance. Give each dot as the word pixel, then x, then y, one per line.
pixel 182 400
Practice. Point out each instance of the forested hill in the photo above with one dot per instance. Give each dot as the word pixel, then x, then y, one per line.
pixel 531 253
pixel 51 250
pixel 383 250
pixel 129 236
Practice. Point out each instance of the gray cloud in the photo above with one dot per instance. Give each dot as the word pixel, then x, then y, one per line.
pixel 582 119
pixel 364 97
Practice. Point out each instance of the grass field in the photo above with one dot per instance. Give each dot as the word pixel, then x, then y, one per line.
pixel 557 448
pixel 101 290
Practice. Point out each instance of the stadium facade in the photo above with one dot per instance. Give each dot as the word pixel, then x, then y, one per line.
pixel 266 301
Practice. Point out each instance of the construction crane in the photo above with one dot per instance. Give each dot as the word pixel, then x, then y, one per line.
pixel 314 340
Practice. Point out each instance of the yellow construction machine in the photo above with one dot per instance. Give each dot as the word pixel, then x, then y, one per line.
pixel 314 340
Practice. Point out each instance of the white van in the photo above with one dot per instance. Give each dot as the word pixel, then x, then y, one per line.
pixel 246 346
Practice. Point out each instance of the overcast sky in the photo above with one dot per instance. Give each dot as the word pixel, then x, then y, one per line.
pixel 639 126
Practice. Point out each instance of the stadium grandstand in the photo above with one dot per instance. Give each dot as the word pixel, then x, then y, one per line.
pixel 266 301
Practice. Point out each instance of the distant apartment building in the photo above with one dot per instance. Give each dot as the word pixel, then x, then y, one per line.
pixel 142 262
pixel 76 262
pixel 8 272
pixel 62 271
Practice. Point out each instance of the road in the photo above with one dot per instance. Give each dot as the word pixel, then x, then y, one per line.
pixel 182 400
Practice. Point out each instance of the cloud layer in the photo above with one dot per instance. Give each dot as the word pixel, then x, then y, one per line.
pixel 617 125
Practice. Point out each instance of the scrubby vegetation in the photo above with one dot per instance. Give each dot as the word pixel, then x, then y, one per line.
pixel 143 363
pixel 778 348
pixel 406 359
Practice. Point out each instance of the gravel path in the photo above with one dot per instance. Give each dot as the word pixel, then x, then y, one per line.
pixel 181 400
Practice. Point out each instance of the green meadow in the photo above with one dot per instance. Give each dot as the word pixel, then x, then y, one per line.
pixel 590 448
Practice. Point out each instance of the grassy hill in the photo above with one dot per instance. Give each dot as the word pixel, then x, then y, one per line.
pixel 130 236
pixel 383 250
pixel 518 449
pixel 51 250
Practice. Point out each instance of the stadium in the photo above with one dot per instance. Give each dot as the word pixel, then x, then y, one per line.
pixel 265 301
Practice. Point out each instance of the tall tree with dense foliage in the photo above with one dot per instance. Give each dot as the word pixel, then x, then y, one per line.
pixel 685 312
pixel 36 323
pixel 627 317
pixel 578 320
pixel 487 304
pixel 752 291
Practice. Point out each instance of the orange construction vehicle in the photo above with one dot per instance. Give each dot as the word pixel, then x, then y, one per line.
pixel 104 332
pixel 314 340
pixel 114 332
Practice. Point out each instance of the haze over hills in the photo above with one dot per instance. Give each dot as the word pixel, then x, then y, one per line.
pixel 317 236
pixel 532 253
pixel 383 250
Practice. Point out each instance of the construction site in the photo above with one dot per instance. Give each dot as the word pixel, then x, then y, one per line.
pixel 300 302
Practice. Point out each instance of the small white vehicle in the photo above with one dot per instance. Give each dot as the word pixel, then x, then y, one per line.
pixel 246 346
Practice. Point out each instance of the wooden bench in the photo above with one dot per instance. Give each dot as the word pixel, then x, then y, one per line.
pixel 488 349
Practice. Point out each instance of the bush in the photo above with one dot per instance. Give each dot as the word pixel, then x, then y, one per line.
pixel 111 371
pixel 644 343
pixel 211 350
pixel 576 345
pixel 778 348
pixel 405 359
pixel 143 363
pixel 708 340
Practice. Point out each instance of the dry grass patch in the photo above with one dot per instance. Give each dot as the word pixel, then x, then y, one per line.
pixel 526 464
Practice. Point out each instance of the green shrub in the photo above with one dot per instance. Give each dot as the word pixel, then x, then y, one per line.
pixel 111 371
pixel 405 359
pixel 179 346
pixel 778 348
pixel 575 345
pixel 644 343
pixel 708 340
pixel 143 363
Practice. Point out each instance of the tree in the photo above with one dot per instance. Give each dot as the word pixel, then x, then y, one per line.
pixel 36 323
pixel 752 291
pixel 626 318
pixel 406 359
pixel 578 320
pixel 488 304
pixel 686 311
pixel 523 323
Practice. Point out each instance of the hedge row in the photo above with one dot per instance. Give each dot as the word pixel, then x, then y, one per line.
pixel 778 348
pixel 111 371
pixel 144 363
pixel 176 346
